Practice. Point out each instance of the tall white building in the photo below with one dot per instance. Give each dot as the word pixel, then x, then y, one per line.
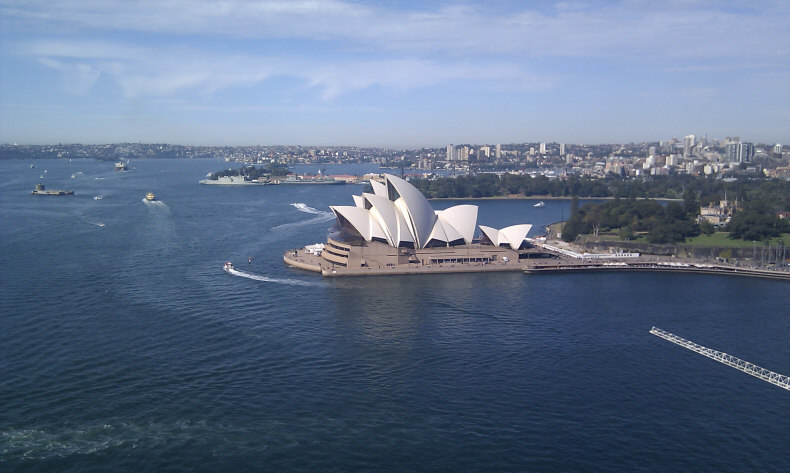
pixel 562 149
pixel 499 152
pixel 450 152
pixel 543 148
pixel 688 145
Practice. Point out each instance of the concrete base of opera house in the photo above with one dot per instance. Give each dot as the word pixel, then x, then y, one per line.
pixel 373 258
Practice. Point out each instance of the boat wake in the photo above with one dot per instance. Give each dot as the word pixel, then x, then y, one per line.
pixel 157 203
pixel 257 277
pixel 320 216
pixel 309 210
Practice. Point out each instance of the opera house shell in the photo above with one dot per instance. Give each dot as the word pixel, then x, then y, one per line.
pixel 395 229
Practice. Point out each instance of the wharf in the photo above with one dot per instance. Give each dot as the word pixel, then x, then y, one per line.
pixel 568 266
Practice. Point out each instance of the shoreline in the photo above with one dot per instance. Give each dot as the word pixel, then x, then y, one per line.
pixel 550 197
pixel 657 267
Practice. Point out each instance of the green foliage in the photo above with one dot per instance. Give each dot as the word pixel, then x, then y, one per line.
pixel 756 223
pixel 707 228
pixel 252 172
pixel 695 190
pixel 663 224
pixel 626 233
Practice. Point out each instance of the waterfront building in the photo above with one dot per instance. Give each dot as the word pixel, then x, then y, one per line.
pixel 395 230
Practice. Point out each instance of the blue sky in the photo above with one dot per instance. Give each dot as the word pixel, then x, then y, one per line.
pixel 395 73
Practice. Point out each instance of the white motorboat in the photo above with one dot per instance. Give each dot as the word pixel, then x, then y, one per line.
pixel 540 204
pixel 228 267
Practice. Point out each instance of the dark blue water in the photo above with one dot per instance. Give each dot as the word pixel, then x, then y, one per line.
pixel 125 347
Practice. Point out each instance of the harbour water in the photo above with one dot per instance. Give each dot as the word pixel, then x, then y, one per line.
pixel 124 346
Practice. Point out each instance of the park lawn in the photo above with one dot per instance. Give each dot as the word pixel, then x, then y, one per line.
pixel 721 239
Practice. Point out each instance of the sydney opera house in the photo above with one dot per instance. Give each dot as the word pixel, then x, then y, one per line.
pixel 395 230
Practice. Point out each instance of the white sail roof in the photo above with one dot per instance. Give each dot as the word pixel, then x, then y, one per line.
pixel 396 212
pixel 512 236
pixel 415 207
pixel 462 218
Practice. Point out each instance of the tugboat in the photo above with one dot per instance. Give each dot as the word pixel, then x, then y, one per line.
pixel 150 197
pixel 228 267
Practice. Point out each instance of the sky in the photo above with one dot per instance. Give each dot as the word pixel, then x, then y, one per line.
pixel 403 74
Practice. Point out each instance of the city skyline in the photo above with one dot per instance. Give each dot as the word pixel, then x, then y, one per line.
pixel 397 74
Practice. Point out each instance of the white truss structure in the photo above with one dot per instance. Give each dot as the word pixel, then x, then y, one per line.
pixel 749 368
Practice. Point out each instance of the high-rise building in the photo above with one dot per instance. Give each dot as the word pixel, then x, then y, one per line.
pixel 499 152
pixel 450 152
pixel 688 145
pixel 562 149
pixel 739 152
pixel 543 148
pixel 651 151
pixel 463 153
pixel 777 148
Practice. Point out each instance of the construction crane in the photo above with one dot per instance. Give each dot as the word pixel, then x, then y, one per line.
pixel 749 368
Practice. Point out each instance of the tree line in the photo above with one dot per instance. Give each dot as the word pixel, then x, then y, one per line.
pixel 706 190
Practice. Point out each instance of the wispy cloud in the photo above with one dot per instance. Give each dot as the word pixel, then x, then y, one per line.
pixel 683 29
pixel 153 72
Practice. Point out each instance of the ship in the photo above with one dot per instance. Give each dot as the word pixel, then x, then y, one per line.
pixel 121 166
pixel 41 190
pixel 540 204
pixel 150 196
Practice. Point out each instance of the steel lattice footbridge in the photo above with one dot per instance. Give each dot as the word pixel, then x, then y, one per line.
pixel 749 368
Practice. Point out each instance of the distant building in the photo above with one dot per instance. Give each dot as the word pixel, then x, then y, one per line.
pixel 719 215
pixel 562 149
pixel 739 152
pixel 450 152
pixel 688 145
pixel 499 152
pixel 543 148
pixel 777 148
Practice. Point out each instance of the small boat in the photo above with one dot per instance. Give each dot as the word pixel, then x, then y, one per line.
pixel 540 204
pixel 97 197
pixel 228 267
pixel 150 196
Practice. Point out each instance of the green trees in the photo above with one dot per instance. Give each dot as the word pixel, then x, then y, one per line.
pixel 668 224
pixel 755 222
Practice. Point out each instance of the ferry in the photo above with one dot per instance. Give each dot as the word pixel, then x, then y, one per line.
pixel 150 196
pixel 228 267
pixel 540 204
pixel 121 166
